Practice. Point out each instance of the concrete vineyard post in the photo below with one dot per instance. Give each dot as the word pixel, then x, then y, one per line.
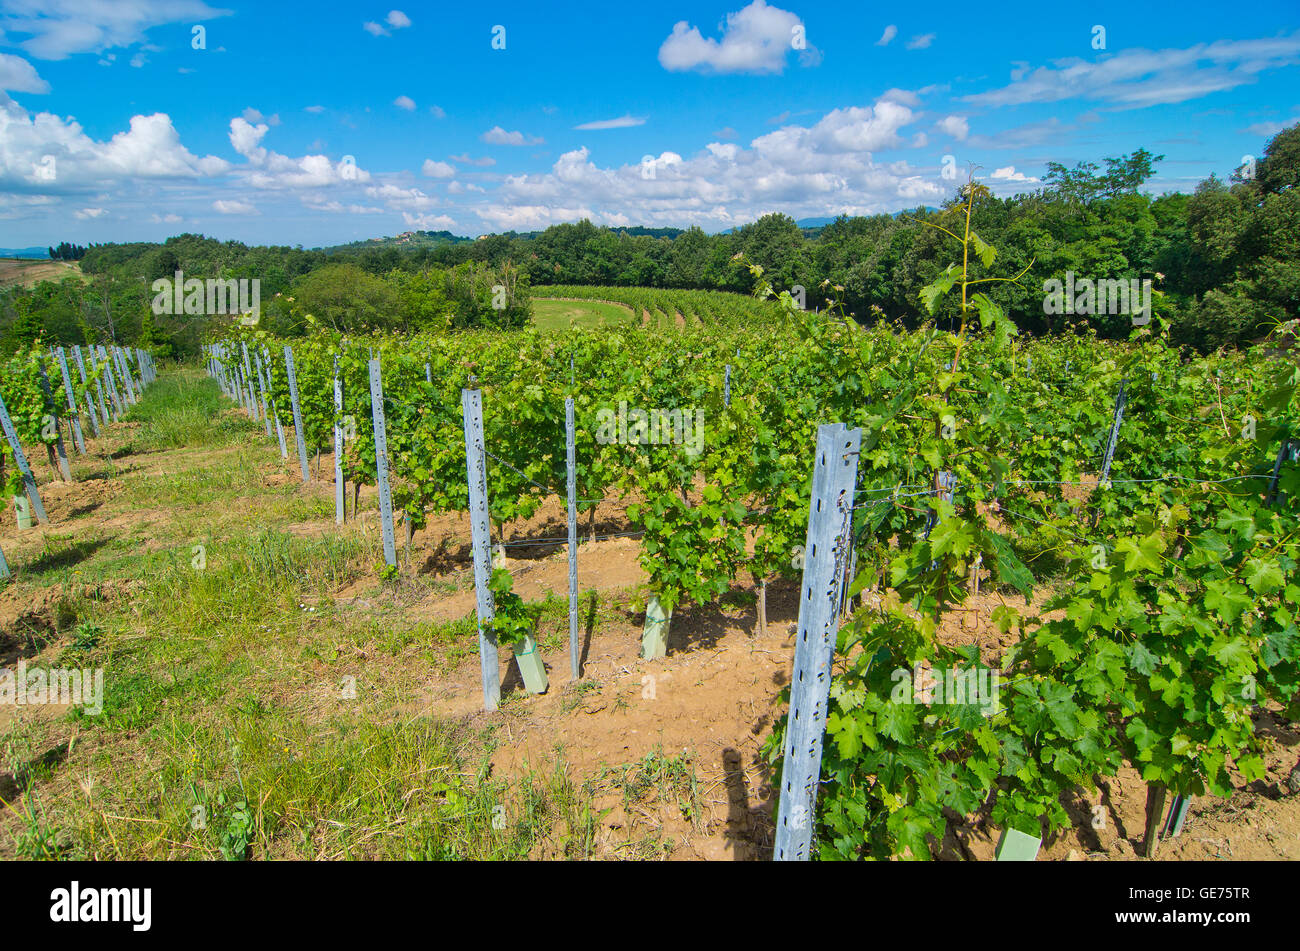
pixel 275 411
pixel 338 445
pixel 72 402
pixel 266 404
pixel 381 462
pixel 826 552
pixel 297 413
pixel 59 448
pixel 112 384
pixel 90 403
pixel 29 481
pixel 248 375
pixel 127 383
pixel 480 533
pixel 575 658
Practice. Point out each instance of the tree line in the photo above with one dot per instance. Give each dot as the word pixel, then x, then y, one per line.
pixel 1222 262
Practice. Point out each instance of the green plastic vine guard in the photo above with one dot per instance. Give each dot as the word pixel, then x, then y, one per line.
pixel 1015 846
pixel 654 637
pixel 23 511
pixel 530 664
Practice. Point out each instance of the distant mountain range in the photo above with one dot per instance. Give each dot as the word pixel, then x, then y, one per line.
pixel 41 253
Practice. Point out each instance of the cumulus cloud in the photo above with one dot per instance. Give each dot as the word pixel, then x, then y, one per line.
pixel 55 154
pixel 955 126
pixel 467 159
pixel 56 29
pixel 499 136
pixel 253 115
pixel 754 40
pixel 1266 130
pixel 428 222
pixel 1009 174
pixel 396 197
pixel 234 207
pixel 18 75
pixel 86 213
pixel 822 169
pixel 887 37
pixel 622 122
pixel 405 102
pixel 396 20
pixel 1133 78
pixel 271 170
pixel 432 169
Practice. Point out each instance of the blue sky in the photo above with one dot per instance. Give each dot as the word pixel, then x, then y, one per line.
pixel 329 122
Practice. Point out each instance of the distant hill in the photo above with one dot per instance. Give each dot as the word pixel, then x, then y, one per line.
pixel 37 253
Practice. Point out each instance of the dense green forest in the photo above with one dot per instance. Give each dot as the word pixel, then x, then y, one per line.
pixel 1224 264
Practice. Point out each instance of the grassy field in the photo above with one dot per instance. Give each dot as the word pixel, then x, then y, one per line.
pixel 203 589
pixel 554 314
pixel 28 272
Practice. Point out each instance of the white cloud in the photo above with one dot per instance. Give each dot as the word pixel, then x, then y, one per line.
pixel 1266 130
pixel 271 170
pixel 56 29
pixel 428 222
pixel 432 169
pixel 169 219
pixel 1009 174
pixel 891 31
pixel 234 207
pixel 1133 78
pixel 499 136
pixel 955 126
pixel 921 42
pixel 18 75
pixel 86 213
pixel 57 156
pixel 318 202
pixel 395 19
pixel 754 40
pixel 138 60
pixel 466 159
pixel 254 116
pixel 438 112
pixel 315 109
pixel 405 102
pixel 822 169
pixel 622 122
pixel 396 197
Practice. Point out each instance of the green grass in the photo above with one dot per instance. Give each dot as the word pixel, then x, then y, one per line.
pixel 226 730
pixel 551 314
